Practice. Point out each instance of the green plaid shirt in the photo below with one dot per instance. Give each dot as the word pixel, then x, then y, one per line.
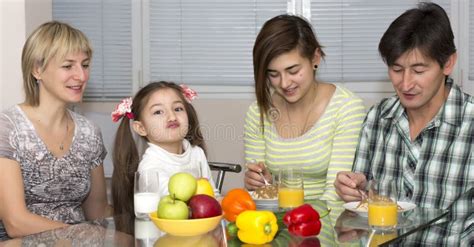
pixel 435 170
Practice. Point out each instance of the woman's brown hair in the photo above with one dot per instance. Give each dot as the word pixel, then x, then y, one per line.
pixel 279 35
pixel 125 154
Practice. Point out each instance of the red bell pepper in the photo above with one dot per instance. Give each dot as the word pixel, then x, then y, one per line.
pixel 303 221
pixel 310 242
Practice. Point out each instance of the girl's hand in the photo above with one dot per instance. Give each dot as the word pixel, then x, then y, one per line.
pixel 253 179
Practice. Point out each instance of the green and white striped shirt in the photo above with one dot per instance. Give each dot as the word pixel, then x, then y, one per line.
pixel 325 149
pixel 435 170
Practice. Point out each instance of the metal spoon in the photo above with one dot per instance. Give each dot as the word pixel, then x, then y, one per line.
pixel 362 194
pixel 264 179
pixel 261 174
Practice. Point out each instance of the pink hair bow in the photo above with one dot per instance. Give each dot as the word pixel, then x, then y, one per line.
pixel 123 109
pixel 188 93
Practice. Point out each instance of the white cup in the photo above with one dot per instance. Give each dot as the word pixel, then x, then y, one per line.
pixel 146 193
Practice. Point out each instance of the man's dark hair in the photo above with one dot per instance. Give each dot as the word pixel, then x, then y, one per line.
pixel 426 28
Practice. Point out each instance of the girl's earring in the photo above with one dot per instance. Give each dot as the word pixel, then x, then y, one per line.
pixel 315 66
pixel 38 81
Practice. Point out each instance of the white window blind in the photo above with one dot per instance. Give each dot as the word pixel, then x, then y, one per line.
pixel 107 24
pixel 207 42
pixel 350 31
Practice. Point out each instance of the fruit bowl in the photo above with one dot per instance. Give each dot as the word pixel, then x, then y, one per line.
pixel 189 227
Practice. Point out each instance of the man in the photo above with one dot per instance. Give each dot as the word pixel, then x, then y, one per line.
pixel 424 136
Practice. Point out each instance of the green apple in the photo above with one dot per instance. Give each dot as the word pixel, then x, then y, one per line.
pixel 170 208
pixel 182 186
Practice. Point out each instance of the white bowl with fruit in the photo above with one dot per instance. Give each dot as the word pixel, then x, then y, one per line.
pixel 188 210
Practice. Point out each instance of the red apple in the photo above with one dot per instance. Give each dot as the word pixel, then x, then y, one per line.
pixel 204 206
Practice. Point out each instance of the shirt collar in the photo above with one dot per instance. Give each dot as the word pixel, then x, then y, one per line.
pixel 186 149
pixel 450 112
pixel 392 108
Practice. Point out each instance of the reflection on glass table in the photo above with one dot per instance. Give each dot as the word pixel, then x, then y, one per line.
pixel 338 228
pixel 352 227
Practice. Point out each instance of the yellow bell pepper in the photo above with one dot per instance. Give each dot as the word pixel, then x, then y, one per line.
pixel 256 227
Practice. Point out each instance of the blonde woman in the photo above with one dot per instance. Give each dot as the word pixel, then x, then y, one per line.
pixel 51 171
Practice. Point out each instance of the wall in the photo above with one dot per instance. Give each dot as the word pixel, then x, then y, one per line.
pixel 18 18
pixel 12 37
pixel 37 12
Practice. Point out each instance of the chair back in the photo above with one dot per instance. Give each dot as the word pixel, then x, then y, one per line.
pixel 222 168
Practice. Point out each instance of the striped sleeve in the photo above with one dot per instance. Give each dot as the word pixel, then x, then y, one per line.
pixel 348 120
pixel 253 136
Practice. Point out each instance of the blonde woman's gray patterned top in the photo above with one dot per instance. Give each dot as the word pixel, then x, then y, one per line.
pixel 54 187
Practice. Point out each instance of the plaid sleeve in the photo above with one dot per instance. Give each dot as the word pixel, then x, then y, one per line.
pixel 363 155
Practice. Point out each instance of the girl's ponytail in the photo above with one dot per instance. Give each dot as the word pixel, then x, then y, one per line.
pixel 194 135
pixel 125 159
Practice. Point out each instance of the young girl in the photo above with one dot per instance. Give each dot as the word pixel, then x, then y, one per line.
pixel 162 115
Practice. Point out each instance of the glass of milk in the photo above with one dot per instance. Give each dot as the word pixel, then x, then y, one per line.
pixel 146 193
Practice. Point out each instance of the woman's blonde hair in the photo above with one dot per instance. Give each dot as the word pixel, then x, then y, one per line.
pixel 51 39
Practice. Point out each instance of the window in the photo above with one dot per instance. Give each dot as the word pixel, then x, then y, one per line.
pixel 107 23
pixel 208 43
pixel 351 31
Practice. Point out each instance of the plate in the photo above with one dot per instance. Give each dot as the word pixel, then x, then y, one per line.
pixel 351 206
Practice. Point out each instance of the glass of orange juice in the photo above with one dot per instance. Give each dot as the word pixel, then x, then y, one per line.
pixel 383 205
pixel 290 188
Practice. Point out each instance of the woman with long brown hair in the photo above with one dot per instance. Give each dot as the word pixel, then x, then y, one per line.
pixel 298 120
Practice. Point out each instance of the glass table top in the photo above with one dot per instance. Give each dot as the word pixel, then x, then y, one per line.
pixel 339 227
